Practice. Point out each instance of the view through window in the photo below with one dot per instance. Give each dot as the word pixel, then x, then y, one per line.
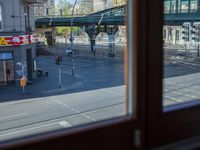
pixel 66 70
pixel 181 52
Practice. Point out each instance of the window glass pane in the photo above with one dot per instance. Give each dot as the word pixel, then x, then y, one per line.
pixel 167 6
pixel 177 35
pixel 181 57
pixel 193 5
pixel 5 56
pixel 76 74
pixel 173 6
pixel 184 6
pixel 179 5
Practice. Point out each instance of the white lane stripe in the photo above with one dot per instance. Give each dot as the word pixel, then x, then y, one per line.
pixel 173 99
pixel 75 110
pixel 13 116
pixel 65 124
pixel 20 131
pixel 191 96
pixel 61 103
pixel 112 92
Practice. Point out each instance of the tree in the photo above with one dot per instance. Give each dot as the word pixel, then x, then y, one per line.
pixel 85 7
pixel 64 6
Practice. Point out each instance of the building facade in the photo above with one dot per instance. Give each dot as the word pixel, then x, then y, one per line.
pixel 17 41
pixel 106 4
pixel 44 9
pixel 172 34
pixel 84 7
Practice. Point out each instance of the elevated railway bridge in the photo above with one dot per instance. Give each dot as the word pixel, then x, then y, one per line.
pixel 103 21
pixel 176 13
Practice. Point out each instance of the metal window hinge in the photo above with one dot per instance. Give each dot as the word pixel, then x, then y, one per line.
pixel 137 138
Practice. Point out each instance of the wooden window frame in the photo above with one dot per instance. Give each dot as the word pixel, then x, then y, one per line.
pixel 174 124
pixel 110 134
pixel 1 17
pixel 153 126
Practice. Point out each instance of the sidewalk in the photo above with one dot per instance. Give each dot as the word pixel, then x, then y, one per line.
pixel 46 85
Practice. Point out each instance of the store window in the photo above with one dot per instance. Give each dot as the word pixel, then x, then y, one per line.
pixel 177 35
pixel 6 56
pixel 165 34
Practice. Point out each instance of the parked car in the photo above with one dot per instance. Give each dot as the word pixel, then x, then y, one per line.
pixel 70 51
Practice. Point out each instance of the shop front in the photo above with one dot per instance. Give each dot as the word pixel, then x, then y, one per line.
pixel 6 68
pixel 16 58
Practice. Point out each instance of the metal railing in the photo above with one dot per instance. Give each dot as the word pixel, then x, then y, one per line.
pixel 180 11
pixel 85 50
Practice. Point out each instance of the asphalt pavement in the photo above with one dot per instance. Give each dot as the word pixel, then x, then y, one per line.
pixel 96 92
pixel 181 77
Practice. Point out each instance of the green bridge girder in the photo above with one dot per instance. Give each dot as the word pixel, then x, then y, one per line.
pixel 178 11
pixel 179 18
pixel 112 16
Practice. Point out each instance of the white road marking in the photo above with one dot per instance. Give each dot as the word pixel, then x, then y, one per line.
pixel 112 92
pixel 73 109
pixel 78 112
pixel 13 116
pixel 65 124
pixel 63 104
pixel 181 84
pixel 20 131
pixel 170 82
pixel 172 98
pixel 187 95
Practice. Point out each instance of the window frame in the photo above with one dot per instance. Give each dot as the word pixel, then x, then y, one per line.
pixel 118 130
pixel 1 17
pixel 177 35
pixel 150 127
pixel 175 124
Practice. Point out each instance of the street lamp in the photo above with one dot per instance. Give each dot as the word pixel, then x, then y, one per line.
pixel 72 21
pixel 71 37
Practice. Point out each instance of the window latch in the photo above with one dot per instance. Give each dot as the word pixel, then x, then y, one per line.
pixel 137 138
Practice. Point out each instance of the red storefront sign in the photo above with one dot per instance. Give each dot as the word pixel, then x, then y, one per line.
pixel 33 38
pixel 18 40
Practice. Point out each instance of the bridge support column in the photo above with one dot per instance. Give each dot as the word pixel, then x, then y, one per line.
pixel 111 31
pixel 92 32
pixel 51 37
pixel 111 45
pixel 93 43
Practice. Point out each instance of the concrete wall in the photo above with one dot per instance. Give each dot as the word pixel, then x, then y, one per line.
pixel 13 16
pixel 41 9
pixel 106 4
pixel 172 39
